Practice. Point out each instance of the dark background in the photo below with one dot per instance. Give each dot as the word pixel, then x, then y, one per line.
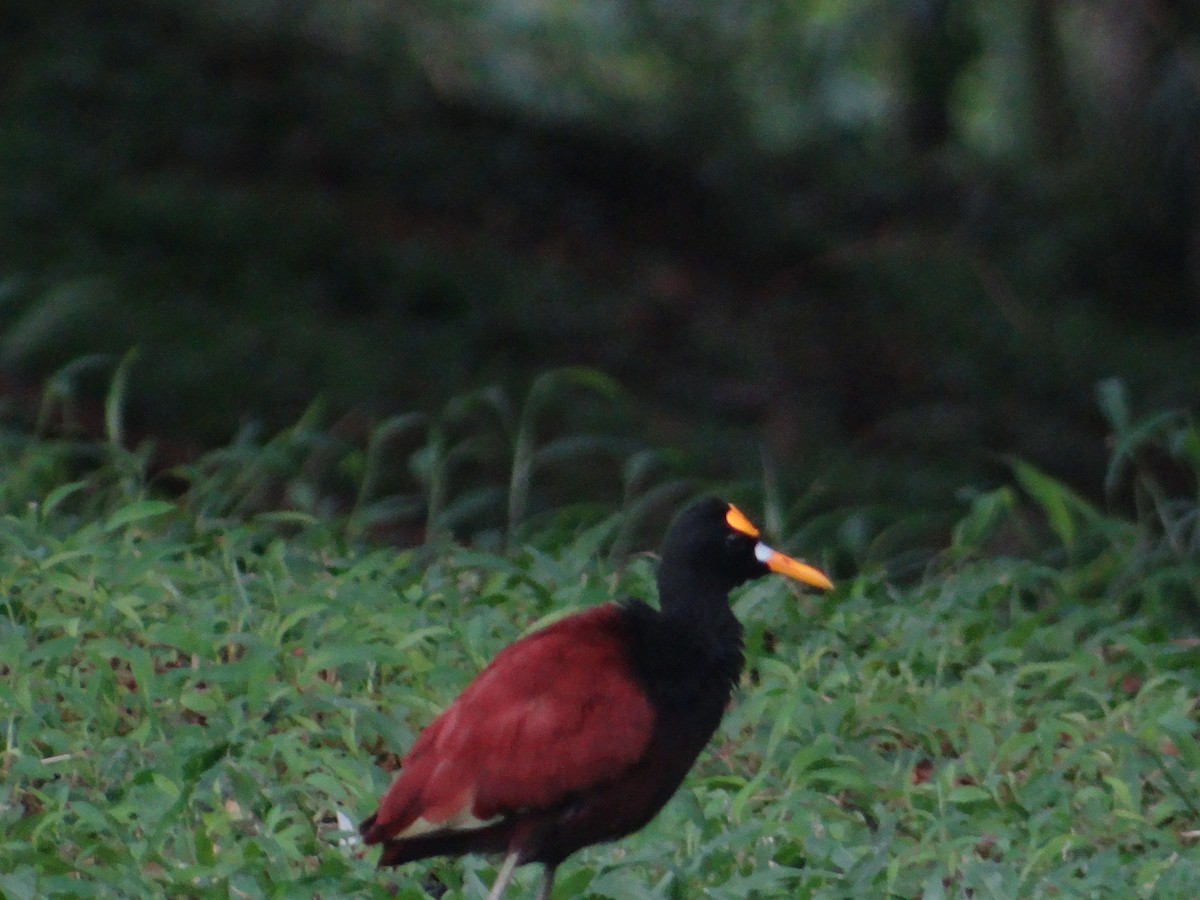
pixel 877 244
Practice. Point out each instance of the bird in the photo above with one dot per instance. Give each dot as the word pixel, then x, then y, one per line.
pixel 580 732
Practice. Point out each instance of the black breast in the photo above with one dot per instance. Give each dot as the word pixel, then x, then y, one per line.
pixel 688 673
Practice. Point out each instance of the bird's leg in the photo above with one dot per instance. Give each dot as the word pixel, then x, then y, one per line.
pixel 505 876
pixel 547 882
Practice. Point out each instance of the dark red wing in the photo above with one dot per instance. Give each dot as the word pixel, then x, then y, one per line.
pixel 553 715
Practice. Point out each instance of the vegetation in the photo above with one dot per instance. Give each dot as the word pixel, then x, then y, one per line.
pixel 894 233
pixel 195 691
pixel 549 269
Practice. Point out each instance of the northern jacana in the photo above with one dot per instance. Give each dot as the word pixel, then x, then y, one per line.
pixel 580 732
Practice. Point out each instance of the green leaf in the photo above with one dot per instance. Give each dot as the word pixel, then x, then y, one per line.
pixel 987 513
pixel 59 494
pixel 21 884
pixel 966 794
pixel 1113 399
pixel 138 511
pixel 1061 505
pixel 114 401
pixel 199 763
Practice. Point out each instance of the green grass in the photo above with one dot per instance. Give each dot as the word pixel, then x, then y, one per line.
pixel 190 692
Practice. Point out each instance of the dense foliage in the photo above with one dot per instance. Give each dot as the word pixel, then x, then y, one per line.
pixel 860 265
pixel 190 693
pixel 896 232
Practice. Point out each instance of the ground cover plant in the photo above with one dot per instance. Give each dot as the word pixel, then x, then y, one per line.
pixel 193 689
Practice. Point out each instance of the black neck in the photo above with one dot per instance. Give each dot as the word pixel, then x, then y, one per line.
pixel 698 612
pixel 689 596
pixel 677 654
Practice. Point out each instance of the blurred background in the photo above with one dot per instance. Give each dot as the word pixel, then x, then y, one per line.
pixel 867 248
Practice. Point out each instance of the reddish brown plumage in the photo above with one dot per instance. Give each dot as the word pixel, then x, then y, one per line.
pixel 567 688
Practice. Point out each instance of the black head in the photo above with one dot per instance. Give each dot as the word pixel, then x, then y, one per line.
pixel 711 549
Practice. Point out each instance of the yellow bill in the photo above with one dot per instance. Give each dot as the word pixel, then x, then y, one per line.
pixel 784 565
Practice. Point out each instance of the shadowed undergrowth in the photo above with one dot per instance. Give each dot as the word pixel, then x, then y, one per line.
pixel 191 690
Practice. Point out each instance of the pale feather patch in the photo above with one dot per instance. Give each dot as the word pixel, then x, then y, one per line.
pixel 346 827
pixel 462 820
